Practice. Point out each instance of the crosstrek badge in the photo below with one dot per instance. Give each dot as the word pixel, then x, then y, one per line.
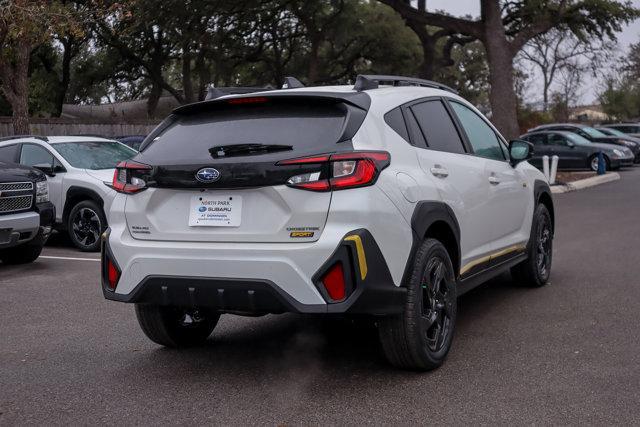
pixel 301 234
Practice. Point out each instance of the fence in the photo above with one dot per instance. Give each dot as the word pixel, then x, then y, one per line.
pixel 50 127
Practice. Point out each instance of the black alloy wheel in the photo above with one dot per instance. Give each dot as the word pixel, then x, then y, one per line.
pixel 437 303
pixel 544 241
pixel 420 337
pixel 535 271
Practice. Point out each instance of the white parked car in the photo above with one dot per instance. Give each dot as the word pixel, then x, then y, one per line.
pixel 77 168
pixel 384 200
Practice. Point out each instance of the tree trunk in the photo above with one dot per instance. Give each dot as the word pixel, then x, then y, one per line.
pixel 20 119
pixel 20 99
pixel 427 68
pixel 61 94
pixel 154 98
pixel 502 94
pixel 187 83
pixel 314 60
pixel 545 92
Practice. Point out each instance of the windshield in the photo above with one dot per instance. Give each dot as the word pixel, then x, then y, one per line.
pixel 577 139
pixel 593 132
pixel 94 154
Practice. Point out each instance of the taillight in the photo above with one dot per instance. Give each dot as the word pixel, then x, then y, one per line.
pixel 334 283
pixel 339 171
pixel 130 177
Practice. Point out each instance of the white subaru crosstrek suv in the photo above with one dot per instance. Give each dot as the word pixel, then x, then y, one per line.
pixel 77 168
pixel 386 200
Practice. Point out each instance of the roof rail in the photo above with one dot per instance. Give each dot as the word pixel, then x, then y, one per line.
pixel 9 138
pixel 370 81
pixel 292 83
pixel 217 92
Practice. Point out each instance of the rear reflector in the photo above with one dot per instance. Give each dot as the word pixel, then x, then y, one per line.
pixel 333 282
pixel 113 275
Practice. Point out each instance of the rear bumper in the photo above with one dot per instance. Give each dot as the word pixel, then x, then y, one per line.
pixel 370 286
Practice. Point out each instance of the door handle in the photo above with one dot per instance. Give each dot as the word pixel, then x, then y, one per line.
pixel 439 171
pixel 493 180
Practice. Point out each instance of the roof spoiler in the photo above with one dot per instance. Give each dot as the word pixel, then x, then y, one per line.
pixel 371 81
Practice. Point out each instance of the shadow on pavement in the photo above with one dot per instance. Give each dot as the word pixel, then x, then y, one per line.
pixel 294 345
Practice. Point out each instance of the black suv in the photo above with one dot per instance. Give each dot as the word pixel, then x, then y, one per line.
pixel 26 215
pixel 594 135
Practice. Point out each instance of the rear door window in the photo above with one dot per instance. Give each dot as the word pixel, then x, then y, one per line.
pixel 537 139
pixel 556 139
pixel 437 127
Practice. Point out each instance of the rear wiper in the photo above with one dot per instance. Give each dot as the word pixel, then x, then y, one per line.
pixel 234 150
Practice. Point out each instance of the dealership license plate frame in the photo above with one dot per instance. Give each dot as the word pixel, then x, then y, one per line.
pixel 221 211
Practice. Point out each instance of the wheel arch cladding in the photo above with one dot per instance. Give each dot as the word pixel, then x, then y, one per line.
pixel 76 195
pixel 542 194
pixel 434 220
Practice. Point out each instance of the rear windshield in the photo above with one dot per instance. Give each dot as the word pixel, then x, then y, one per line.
pixel 281 129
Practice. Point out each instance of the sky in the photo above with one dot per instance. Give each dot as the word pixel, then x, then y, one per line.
pixel 629 35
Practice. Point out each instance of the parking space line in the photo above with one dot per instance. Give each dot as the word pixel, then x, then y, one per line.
pixel 70 258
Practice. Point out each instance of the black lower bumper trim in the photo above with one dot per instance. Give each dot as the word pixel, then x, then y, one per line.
pixel 224 294
pixel 376 294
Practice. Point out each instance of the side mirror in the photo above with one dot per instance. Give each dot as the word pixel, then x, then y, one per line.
pixel 46 169
pixel 520 151
pixel 570 144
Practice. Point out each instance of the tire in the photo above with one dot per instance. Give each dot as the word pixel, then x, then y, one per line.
pixel 23 254
pixel 420 338
pixel 170 327
pixel 536 269
pixel 593 163
pixel 85 224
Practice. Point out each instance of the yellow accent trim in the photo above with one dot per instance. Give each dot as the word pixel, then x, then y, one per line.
pixel 484 259
pixel 362 259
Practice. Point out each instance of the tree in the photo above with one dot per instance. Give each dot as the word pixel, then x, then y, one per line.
pixel 620 98
pixel 24 25
pixel 506 27
pixel 468 74
pixel 561 52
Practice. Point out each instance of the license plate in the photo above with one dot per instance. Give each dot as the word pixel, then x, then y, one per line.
pixel 215 211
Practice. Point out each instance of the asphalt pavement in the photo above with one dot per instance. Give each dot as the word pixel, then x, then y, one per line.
pixel 568 353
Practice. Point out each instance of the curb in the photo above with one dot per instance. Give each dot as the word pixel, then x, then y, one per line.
pixel 585 183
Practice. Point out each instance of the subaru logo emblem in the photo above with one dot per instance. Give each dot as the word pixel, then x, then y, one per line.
pixel 208 175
